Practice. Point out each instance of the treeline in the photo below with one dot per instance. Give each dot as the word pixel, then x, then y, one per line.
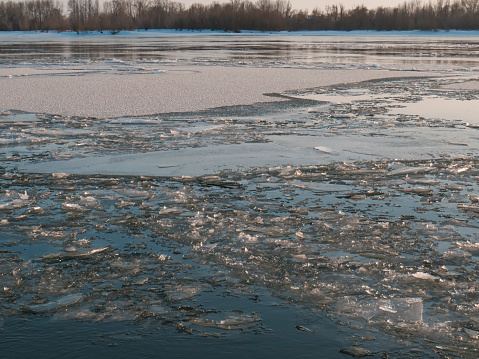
pixel 235 15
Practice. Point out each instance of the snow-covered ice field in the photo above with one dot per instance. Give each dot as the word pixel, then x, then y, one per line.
pixel 232 195
pixel 161 89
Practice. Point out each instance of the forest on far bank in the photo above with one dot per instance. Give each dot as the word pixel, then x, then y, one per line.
pixel 235 15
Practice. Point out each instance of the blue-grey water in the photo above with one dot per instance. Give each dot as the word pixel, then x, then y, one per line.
pixel 338 222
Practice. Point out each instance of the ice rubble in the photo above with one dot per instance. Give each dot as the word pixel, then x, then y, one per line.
pixel 404 267
pixel 375 244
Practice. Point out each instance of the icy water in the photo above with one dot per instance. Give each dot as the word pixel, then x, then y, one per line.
pixel 335 217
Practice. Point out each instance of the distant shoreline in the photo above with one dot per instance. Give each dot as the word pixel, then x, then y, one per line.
pixel 233 16
pixel 176 32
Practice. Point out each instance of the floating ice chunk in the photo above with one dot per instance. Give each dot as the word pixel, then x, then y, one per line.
pixel 429 227
pixel 78 314
pixel 356 352
pixel 60 257
pixel 395 310
pixel 387 308
pixel 61 302
pixel 304 329
pixel 443 271
pixel 460 169
pixel 121 265
pixel 124 316
pixel 473 334
pixel 239 320
pixel 424 181
pixel 247 238
pixel 358 197
pixel 172 210
pixel 163 257
pixel 466 208
pixel 300 257
pixel 469 246
pixel 23 196
pixel 323 149
pixel 343 116
pixel 216 181
pixel 13 204
pixel 133 121
pixel 426 276
pixel 124 204
pixel 83 242
pixel 175 132
pixel 182 292
pixel 158 309
pixel 229 323
pixel 408 310
pixel 89 202
pixel 374 255
pixel 72 207
pixel 13 200
pixel 473 199
pixel 60 175
pixel 417 190
pixel 457 254
pixel 410 170
pixel 300 235
pixel 284 171
pixel 130 192
pixel 454 188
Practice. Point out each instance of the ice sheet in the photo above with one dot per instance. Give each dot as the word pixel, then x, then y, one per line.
pixel 463 85
pixel 277 151
pixel 180 89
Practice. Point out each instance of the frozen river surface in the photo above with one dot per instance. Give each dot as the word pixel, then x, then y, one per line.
pixel 239 195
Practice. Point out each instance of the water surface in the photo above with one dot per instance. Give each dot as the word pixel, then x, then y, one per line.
pixel 336 218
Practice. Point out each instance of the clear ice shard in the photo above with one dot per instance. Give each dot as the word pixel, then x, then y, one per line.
pixel 394 310
pixel 65 301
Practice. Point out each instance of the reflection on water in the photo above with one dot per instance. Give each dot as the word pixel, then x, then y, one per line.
pixel 449 109
pixel 256 48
